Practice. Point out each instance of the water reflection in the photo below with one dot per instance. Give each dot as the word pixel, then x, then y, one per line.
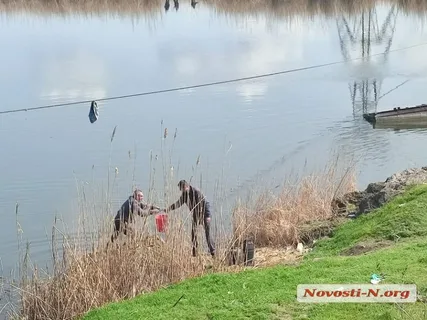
pixel 402 127
pixel 175 5
pixel 357 34
pixel 308 9
pixel 273 9
pixel 356 139
pixel 137 8
pixel 369 33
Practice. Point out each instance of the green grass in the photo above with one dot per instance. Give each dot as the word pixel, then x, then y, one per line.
pixel 271 293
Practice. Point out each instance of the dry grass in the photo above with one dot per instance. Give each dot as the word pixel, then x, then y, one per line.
pixel 275 220
pixel 87 281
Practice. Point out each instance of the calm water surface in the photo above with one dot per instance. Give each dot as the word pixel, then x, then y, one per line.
pixel 246 133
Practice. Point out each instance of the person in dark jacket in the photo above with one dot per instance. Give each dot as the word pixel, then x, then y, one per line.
pixel 133 205
pixel 197 203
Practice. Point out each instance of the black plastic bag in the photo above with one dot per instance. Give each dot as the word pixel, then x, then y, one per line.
pixel 93 112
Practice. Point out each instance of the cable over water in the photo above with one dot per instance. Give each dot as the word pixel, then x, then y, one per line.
pixel 204 84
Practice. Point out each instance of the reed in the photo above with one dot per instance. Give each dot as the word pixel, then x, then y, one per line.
pixel 87 271
pixel 274 220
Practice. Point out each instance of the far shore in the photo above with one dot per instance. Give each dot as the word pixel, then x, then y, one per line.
pixel 153 8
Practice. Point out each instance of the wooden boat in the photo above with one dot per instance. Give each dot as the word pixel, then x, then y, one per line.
pixel 411 115
pixel 401 125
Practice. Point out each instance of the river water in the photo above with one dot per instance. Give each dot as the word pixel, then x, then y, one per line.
pixel 229 137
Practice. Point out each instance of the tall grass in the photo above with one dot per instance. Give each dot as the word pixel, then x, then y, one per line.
pixel 88 271
pixel 274 220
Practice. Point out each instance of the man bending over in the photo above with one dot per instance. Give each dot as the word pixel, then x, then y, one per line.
pixel 126 213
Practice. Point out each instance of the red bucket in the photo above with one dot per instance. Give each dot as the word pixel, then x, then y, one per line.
pixel 161 222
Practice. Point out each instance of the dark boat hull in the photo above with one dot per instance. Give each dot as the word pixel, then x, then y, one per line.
pixel 399 115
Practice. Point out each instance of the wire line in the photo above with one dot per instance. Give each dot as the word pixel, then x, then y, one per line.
pixel 204 84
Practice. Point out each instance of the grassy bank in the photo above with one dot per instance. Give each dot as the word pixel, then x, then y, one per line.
pixel 393 236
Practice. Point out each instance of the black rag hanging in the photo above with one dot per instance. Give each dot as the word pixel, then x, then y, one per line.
pixel 93 112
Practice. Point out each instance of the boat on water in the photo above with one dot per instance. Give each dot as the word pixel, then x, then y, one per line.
pixel 413 116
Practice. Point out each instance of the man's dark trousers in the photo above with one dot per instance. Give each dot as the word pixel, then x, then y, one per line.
pixel 204 219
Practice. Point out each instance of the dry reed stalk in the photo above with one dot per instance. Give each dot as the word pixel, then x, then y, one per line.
pixel 274 220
